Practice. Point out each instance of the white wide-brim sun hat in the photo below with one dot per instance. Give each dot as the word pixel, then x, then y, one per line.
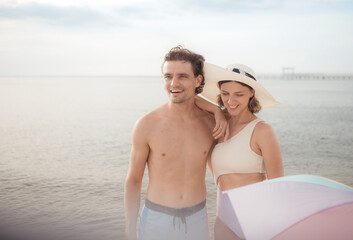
pixel 234 72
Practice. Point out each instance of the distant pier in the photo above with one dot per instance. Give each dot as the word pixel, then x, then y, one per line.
pixel 288 73
pixel 319 76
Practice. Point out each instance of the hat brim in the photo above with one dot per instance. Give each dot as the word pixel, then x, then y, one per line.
pixel 213 74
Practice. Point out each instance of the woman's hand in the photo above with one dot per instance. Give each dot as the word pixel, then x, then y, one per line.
pixel 222 128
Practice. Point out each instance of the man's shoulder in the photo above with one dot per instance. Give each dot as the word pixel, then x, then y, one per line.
pixel 152 117
pixel 205 115
pixel 206 118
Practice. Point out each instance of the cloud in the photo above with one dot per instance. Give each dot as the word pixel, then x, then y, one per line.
pixel 233 6
pixel 123 14
pixel 112 37
pixel 264 6
pixel 56 15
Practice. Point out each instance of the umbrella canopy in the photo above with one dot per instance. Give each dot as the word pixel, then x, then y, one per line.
pixel 292 207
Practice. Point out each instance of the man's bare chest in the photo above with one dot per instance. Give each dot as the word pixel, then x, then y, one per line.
pixel 181 141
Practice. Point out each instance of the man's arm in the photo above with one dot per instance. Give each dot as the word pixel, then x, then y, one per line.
pixel 133 182
pixel 209 162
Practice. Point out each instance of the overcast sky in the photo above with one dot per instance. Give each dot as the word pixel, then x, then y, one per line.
pixel 106 37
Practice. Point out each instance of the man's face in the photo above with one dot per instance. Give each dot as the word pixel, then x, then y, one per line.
pixel 179 80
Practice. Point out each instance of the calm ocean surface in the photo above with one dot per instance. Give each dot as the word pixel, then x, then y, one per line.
pixel 65 144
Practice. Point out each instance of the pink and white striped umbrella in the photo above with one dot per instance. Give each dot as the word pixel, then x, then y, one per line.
pixel 292 207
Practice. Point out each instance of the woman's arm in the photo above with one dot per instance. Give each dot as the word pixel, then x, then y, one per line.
pixel 270 150
pixel 221 128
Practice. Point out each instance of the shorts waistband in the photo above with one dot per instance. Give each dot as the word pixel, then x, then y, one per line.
pixel 176 212
pixel 181 213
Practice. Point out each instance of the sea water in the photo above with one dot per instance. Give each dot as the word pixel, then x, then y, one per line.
pixel 65 145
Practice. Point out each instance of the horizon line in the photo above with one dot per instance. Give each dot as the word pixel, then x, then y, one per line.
pixel 148 75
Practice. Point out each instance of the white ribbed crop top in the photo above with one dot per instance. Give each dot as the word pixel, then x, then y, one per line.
pixel 236 156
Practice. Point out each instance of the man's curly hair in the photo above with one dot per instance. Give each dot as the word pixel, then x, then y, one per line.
pixel 180 53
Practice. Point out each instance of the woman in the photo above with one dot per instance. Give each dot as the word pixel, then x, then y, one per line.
pixel 252 152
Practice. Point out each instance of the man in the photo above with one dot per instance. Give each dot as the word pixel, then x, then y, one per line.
pixel 174 141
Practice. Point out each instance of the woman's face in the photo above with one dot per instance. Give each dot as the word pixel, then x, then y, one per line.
pixel 236 97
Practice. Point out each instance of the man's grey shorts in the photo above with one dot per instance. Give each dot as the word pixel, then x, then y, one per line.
pixel 162 222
